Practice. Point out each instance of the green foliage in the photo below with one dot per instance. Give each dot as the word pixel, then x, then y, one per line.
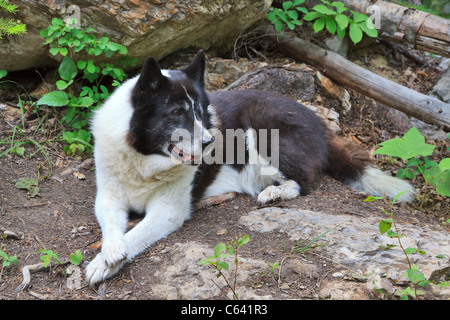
pixel 76 258
pixel 10 26
pixel 413 149
pixel 413 273
pixel 68 41
pixel 3 73
pixel 7 260
pixel 332 16
pixel 31 185
pixel 287 16
pixel 222 251
pixel 49 256
pixel 337 18
pixel 78 142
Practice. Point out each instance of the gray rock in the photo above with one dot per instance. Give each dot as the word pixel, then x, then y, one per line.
pixel 354 242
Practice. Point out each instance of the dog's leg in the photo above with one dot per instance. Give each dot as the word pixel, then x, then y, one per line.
pixel 161 219
pixel 112 218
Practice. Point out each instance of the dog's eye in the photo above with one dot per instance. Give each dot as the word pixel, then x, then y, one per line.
pixel 176 112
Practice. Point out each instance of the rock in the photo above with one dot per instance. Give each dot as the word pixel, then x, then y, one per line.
pixel 156 27
pixel 355 242
pixel 181 277
pixel 295 83
pixel 329 115
pixel 338 45
pixel 442 88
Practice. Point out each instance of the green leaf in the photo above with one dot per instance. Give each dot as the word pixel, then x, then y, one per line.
pixel 310 16
pixel 63 51
pixel 331 24
pixel 355 33
pixel 323 9
pixel 76 258
pixel 81 64
pixel 287 5
pixel 342 21
pixel 411 145
pixel 442 183
pixel 219 248
pixel 297 2
pixel 319 24
pixel 398 195
pixel 61 84
pixel 444 164
pixel 54 99
pixel 385 225
pixel 222 265
pixel 414 275
pixel 3 73
pixel 369 28
pixel 340 7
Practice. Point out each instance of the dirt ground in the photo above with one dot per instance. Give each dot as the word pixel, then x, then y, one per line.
pixel 61 217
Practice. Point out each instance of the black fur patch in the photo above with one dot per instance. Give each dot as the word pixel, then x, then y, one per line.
pixel 159 104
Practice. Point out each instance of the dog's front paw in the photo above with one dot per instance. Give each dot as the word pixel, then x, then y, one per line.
pixel 98 271
pixel 114 252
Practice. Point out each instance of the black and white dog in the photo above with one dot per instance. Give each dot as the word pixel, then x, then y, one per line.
pixel 162 143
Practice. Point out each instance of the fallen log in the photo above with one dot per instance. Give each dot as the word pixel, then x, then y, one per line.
pixel 334 66
pixel 418 29
pixel 408 26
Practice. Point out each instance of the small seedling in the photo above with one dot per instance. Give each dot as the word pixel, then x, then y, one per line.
pixel 222 251
pixel 7 260
pixel 49 256
pixel 413 273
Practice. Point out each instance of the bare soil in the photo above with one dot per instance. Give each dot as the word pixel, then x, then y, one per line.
pixel 61 217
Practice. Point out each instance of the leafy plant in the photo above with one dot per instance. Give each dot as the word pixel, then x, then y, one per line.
pixel 337 18
pixel 67 41
pixel 10 26
pixel 286 16
pixel 76 258
pixel 7 260
pixel 413 149
pixel 49 256
pixel 78 142
pixel 222 251
pixel 389 227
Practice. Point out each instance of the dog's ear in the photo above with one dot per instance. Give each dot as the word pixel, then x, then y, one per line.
pixel 196 70
pixel 151 77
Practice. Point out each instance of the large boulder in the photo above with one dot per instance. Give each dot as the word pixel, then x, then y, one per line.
pixel 155 27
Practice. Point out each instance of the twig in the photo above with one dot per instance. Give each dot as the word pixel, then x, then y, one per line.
pixel 26 273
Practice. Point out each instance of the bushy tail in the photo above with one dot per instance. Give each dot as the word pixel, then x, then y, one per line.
pixel 352 165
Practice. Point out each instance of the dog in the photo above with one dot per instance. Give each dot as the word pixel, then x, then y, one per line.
pixel 162 143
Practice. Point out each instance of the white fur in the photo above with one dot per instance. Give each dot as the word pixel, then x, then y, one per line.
pixel 375 182
pixel 128 180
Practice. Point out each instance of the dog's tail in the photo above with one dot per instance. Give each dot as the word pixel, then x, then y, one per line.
pixel 352 165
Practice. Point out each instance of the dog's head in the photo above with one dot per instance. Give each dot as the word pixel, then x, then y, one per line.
pixel 171 112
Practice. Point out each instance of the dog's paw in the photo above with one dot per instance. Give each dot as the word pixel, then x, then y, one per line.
pixel 114 252
pixel 269 194
pixel 286 191
pixel 98 271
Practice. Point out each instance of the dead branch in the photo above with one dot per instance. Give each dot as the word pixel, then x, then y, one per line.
pixel 334 66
